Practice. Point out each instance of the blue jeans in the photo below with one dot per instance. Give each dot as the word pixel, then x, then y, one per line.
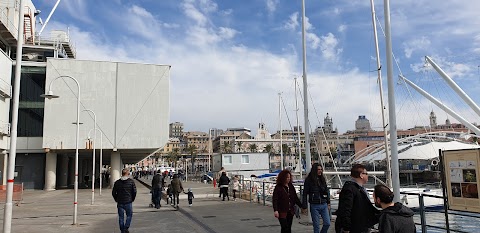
pixel 317 210
pixel 124 208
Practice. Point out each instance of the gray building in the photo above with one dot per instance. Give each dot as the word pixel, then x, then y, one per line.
pixel 245 164
pixel 131 102
pixel 175 130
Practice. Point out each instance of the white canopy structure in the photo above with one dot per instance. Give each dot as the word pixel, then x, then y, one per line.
pixel 421 147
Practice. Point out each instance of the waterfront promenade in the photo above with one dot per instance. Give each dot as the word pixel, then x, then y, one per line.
pixel 52 211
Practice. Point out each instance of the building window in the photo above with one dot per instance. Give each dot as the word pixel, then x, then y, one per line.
pixel 245 159
pixel 227 160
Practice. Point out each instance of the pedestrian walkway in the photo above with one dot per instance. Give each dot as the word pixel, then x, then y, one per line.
pixel 52 211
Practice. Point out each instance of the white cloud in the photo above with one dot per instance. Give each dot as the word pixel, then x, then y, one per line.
pixel 292 22
pixel 416 44
pixel 193 13
pixel 227 33
pixel 78 9
pixel 342 28
pixel 271 6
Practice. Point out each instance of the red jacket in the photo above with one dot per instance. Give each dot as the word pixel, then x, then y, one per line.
pixel 285 198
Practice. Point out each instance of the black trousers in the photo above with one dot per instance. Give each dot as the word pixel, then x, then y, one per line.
pixel 286 223
pixel 175 198
pixel 224 191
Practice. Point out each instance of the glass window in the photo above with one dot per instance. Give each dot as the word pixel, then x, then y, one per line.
pixel 227 159
pixel 245 159
pixel 31 105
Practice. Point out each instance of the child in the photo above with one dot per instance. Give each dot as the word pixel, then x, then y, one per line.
pixel 190 197
pixel 236 187
pixel 169 194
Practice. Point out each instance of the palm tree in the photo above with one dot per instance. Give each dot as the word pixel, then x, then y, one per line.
pixel 269 148
pixel 191 150
pixel 226 147
pixel 253 147
pixel 174 156
pixel 239 145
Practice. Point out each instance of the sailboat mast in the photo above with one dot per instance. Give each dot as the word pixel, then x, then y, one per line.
pixel 380 84
pixel 308 157
pixel 280 128
pixel 391 105
pixel 299 164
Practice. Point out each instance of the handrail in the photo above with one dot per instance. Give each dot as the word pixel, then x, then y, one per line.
pixel 8 24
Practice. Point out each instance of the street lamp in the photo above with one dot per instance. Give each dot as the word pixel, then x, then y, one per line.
pixel 50 95
pixel 93 159
pixel 101 155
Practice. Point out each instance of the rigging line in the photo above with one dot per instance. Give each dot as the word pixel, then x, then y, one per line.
pixel 393 54
pixel 81 103
pixel 285 109
pixel 143 105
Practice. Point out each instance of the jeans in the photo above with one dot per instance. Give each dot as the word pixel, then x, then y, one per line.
pixel 124 208
pixel 156 197
pixel 175 200
pixel 317 210
pixel 286 223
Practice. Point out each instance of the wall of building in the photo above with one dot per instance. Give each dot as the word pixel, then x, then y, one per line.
pixel 131 102
pixel 258 164
pixel 5 83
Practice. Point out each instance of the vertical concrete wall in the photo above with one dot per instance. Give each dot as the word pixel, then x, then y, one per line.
pixel 5 83
pixel 131 102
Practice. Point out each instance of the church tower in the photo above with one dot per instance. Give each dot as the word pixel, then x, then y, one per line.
pixel 433 120
pixel 328 124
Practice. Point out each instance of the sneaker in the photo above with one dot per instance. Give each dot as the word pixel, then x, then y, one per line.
pixel 190 205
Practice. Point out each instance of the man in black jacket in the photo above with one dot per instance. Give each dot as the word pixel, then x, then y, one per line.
pixel 394 217
pixel 124 193
pixel 157 185
pixel 355 213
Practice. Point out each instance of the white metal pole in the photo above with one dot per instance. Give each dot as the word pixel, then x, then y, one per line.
pixel 391 105
pixel 209 148
pixel 380 84
pixel 48 18
pixel 442 106
pixel 7 222
pixel 308 157
pixel 280 127
pixel 299 164
pixel 454 86
pixel 101 162
pixel 93 153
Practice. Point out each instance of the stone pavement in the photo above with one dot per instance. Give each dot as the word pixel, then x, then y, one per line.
pixel 52 211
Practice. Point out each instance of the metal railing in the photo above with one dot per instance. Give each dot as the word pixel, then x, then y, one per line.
pixel 8 24
pixel 261 192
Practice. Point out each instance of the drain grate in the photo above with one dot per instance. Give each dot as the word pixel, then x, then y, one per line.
pixel 209 216
pixel 250 219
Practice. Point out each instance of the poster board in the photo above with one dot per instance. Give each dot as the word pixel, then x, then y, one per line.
pixel 462 179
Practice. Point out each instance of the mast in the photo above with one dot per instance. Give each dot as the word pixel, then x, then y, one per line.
pixel 391 105
pixel 280 128
pixel 299 164
pixel 380 84
pixel 308 157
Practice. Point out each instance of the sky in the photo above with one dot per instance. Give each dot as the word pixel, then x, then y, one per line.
pixel 230 59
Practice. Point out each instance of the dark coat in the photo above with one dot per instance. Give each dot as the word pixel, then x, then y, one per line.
pixel 157 181
pixel 396 219
pixel 317 193
pixel 284 199
pixel 124 191
pixel 176 185
pixel 224 180
pixel 355 211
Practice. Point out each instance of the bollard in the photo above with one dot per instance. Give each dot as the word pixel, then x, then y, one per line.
pixel 421 204
pixel 250 190
pixel 263 191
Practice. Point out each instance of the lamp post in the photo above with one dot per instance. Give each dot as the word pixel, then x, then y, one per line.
pixel 7 217
pixel 101 155
pixel 50 95
pixel 93 155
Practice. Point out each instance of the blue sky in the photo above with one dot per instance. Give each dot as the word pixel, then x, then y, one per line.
pixel 231 58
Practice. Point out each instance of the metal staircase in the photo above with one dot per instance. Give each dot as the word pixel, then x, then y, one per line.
pixel 28 35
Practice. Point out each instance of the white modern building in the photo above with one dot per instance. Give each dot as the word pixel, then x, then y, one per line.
pixel 131 103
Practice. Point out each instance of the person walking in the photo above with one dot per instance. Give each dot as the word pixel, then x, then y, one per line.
pixel 190 197
pixel 223 184
pixel 157 186
pixel 124 193
pixel 284 199
pixel 394 217
pixel 319 198
pixel 355 213
pixel 217 178
pixel 236 187
pixel 177 188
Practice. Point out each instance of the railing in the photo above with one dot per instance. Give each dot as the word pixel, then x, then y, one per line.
pixel 261 192
pixel 4 128
pixel 8 24
pixel 57 41
pixel 5 89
